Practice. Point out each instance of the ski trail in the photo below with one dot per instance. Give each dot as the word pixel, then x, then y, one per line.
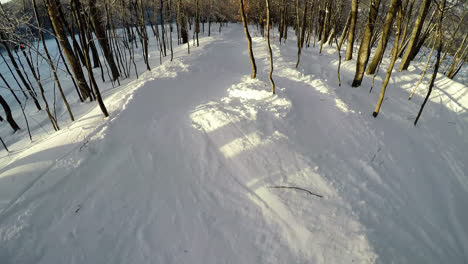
pixel 256 147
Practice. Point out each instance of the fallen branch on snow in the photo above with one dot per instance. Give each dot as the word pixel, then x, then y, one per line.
pixel 296 188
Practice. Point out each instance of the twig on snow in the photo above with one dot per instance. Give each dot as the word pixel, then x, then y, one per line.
pixel 296 188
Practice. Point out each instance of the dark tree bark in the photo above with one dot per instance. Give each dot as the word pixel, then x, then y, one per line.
pixel 8 115
pixel 437 63
pixel 300 37
pixel 19 103
pixel 57 23
pixel 32 93
pixel 163 31
pixel 182 22
pixel 100 32
pixel 4 145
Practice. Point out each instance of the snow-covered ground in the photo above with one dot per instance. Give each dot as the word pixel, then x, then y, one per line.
pixel 186 168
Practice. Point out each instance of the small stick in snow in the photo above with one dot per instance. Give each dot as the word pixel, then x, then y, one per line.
pixel 84 144
pixel 296 188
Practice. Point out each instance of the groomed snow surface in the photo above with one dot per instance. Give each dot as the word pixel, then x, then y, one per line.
pixel 186 167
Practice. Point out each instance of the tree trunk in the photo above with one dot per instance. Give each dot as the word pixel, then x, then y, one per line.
pixel 457 57
pixel 405 61
pixel 169 7
pixel 405 30
pixel 392 63
pixel 352 29
pixel 4 145
pixel 62 37
pixel 51 63
pixel 36 76
pixel 323 38
pixel 281 24
pixel 364 49
pixel 269 47
pixel 345 31
pixel 425 69
pixel 197 22
pixel 437 64
pixel 394 6
pixel 100 31
pixel 300 37
pixel 19 103
pixel 182 22
pixel 9 117
pixel 449 45
pixel 249 40
pixel 32 93
pixel 163 30
pixel 13 75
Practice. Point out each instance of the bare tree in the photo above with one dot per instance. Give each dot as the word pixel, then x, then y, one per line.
pixel 249 40
pixel 364 49
pixel 269 47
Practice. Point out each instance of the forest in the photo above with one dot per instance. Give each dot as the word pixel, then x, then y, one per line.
pixel 83 31
pixel 218 114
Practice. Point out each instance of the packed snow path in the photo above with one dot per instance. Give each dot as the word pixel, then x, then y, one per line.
pixel 182 172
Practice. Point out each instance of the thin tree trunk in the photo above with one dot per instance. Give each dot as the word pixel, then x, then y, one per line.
pixel 9 116
pixel 345 31
pixel 161 6
pixel 352 29
pixel 32 93
pixel 4 145
pixel 437 64
pixel 281 24
pixel 323 38
pixel 338 50
pixel 456 58
pixel 197 21
pixel 62 37
pixel 100 31
pixel 364 49
pixel 273 90
pixel 14 76
pixel 392 63
pixel 182 22
pixel 51 63
pixel 405 30
pixel 170 27
pixel 405 61
pixel 249 40
pixel 394 6
pixel 449 45
pixel 19 103
pixel 53 121
pixel 425 69
pixel 300 37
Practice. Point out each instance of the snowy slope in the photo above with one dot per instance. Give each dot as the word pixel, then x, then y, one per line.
pixel 183 170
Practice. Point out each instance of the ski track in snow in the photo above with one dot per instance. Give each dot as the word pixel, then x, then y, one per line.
pixel 181 171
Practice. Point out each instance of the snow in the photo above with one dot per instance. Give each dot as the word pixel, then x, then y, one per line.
pixel 186 168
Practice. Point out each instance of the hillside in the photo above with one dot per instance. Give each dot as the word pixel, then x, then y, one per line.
pixel 197 161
